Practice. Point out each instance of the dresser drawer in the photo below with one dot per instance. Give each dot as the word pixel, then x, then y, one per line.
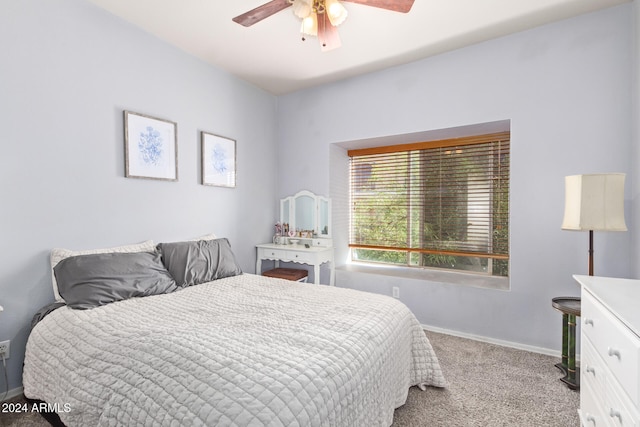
pixel 592 371
pixel 616 345
pixel 591 412
pixel 621 412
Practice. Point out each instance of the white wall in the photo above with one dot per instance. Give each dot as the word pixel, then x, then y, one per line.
pixel 566 89
pixel 69 69
pixel 67 72
pixel 635 182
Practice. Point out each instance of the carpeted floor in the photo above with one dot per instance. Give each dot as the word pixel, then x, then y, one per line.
pixel 489 386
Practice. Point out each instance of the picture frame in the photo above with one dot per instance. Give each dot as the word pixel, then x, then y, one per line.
pixel 218 160
pixel 150 147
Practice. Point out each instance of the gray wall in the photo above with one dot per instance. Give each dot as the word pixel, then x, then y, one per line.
pixel 566 89
pixel 68 69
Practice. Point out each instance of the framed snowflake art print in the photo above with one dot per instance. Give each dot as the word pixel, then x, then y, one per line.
pixel 218 160
pixel 150 147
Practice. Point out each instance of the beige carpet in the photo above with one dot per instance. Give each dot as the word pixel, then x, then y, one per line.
pixel 489 385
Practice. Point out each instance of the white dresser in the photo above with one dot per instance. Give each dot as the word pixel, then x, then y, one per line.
pixel 610 352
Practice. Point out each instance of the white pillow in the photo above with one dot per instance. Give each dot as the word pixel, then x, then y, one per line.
pixel 58 254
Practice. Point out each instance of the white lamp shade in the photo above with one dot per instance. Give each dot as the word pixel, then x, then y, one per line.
pixel 594 202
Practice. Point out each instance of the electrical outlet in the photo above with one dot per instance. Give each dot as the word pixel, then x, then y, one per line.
pixel 395 292
pixel 5 348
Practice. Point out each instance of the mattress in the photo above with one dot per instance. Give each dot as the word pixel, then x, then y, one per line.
pixel 241 351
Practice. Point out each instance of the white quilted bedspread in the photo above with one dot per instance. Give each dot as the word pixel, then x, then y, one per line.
pixel 241 351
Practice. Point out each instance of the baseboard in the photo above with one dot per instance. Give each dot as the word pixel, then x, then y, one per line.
pixel 518 346
pixel 12 393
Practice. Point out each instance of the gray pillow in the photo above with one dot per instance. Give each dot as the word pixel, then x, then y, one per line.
pixel 192 263
pixel 87 281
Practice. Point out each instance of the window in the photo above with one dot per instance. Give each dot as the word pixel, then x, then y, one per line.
pixel 439 204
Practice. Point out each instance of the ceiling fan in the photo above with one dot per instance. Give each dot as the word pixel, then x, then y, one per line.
pixel 319 17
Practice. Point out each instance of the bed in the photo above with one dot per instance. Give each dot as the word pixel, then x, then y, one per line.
pixel 239 350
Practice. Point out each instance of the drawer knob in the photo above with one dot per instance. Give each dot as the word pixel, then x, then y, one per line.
pixel 614 353
pixel 615 414
pixel 591 369
pixel 588 322
pixel 590 419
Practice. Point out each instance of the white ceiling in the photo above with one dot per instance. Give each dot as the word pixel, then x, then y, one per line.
pixel 271 54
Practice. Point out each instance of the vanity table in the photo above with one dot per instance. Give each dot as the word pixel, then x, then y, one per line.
pixel 307 217
pixel 314 255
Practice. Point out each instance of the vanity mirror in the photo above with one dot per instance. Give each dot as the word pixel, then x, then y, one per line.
pixel 305 220
pixel 306 215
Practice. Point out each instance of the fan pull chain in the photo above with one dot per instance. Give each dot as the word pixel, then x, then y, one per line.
pixel 324 27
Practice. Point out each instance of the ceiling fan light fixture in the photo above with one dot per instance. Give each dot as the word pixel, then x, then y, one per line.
pixel 320 18
pixel 336 12
pixel 301 8
pixel 315 12
pixel 309 25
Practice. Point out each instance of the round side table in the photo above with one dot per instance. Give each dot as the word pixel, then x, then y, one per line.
pixel 570 309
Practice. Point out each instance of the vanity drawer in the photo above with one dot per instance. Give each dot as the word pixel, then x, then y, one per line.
pixel 616 345
pixel 299 257
pixel 275 253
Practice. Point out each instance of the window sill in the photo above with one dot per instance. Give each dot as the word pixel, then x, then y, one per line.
pixel 437 276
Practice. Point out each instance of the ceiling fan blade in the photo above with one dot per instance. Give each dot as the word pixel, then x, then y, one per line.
pixel 327 34
pixel 261 12
pixel 403 6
